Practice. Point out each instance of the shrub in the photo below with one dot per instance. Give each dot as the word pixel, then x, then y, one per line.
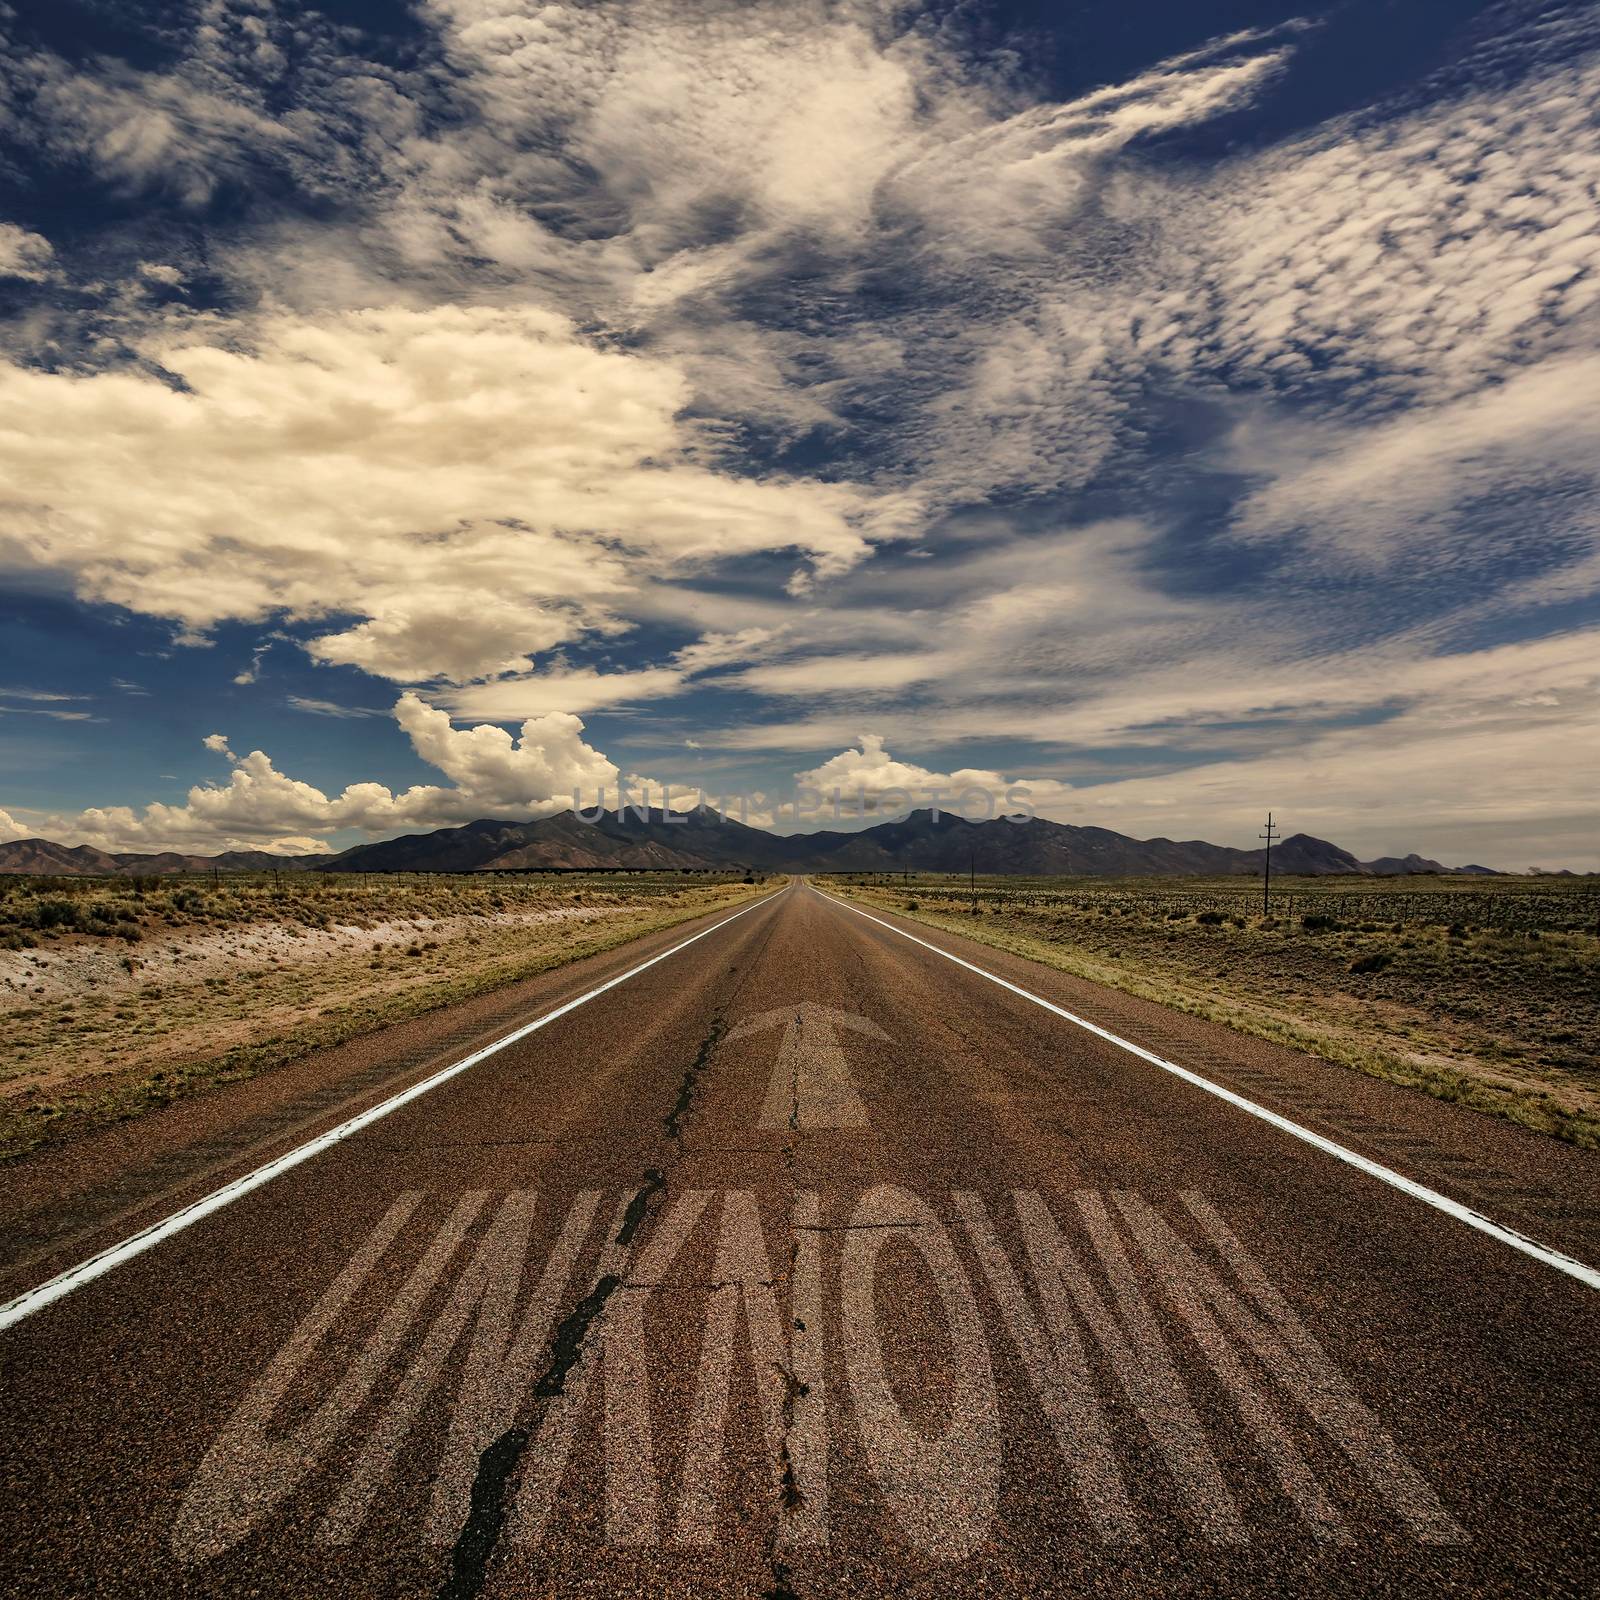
pixel 1210 919
pixel 1375 962
pixel 1320 922
pixel 55 914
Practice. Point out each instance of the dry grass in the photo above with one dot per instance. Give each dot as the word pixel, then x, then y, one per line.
pixel 130 1000
pixel 1482 992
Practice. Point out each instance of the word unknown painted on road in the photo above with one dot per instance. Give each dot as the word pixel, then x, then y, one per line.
pixel 1099 1300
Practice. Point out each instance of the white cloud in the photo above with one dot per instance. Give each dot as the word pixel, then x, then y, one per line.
pixel 1455 763
pixel 542 769
pixel 1463 772
pixel 714 650
pixel 873 775
pixel 843 674
pixel 43 703
pixel 187 132
pixel 252 672
pixel 1406 257
pixel 25 255
pixel 548 763
pixel 11 829
pixel 329 708
pixel 514 483
pixel 1380 491
pixel 539 694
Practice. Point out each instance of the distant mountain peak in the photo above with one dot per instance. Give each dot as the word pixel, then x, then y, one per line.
pixel 705 839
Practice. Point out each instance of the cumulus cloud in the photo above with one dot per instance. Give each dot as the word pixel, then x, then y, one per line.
pixel 472 484
pixel 538 771
pixel 1445 754
pixel 872 774
pixel 11 829
pixel 543 767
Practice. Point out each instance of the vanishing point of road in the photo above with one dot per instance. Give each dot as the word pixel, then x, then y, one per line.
pixel 801 1251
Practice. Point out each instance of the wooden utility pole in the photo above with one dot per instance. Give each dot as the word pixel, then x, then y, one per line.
pixel 1266 876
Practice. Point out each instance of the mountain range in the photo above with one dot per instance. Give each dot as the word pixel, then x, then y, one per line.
pixel 705 840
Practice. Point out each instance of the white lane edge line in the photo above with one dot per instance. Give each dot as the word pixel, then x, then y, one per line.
pixel 1398 1180
pixel 36 1299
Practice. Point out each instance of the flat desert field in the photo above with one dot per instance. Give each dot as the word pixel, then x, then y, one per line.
pixel 1484 991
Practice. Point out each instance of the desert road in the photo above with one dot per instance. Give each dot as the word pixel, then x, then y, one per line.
pixel 782 1254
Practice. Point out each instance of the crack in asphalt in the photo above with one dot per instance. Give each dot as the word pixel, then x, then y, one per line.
pixel 849 1227
pixel 794 1088
pixel 780 1589
pixel 793 1392
pixel 673 1120
pixel 655 1182
pixel 701 1285
pixel 486 1516
pixel 480 1534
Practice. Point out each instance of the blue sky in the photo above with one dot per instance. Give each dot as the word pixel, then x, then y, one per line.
pixel 412 413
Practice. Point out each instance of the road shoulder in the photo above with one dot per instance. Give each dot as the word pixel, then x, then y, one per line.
pixel 1537 1185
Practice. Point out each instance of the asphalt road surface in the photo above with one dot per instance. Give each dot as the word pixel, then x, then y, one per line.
pixel 807 1261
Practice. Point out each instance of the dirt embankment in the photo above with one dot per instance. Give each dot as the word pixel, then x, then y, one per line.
pixel 111 1003
pixel 86 967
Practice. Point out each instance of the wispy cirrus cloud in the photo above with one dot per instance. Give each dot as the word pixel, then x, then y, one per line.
pixel 43 703
pixel 24 255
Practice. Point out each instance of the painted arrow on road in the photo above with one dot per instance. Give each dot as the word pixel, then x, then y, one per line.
pixel 811 1084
